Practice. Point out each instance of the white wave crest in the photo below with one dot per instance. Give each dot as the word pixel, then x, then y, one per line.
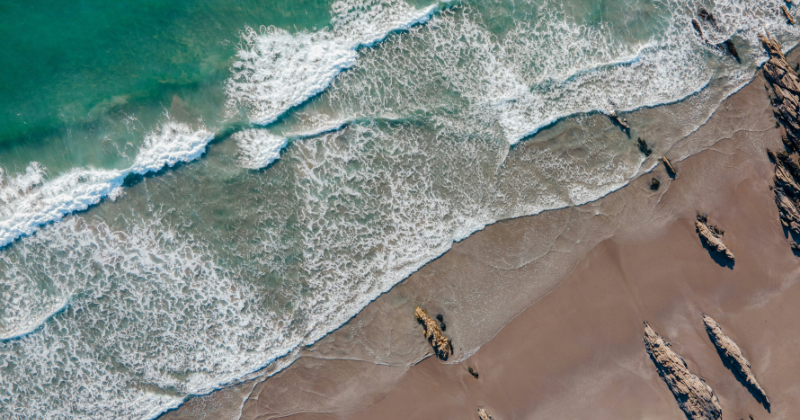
pixel 258 148
pixel 29 201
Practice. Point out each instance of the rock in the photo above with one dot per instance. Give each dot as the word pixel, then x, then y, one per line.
pixel 668 165
pixel 707 16
pixel 790 217
pixel 441 344
pixel 711 236
pixel 697 400
pixel 643 147
pixel 732 354
pixel 473 372
pixel 795 247
pixel 483 414
pixel 787 14
pixel 697 27
pixel 731 48
pixel 622 122
pixel 655 184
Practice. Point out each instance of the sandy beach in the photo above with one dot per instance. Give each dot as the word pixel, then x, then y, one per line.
pixel 549 309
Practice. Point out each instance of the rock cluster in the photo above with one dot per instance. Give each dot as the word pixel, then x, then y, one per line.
pixel 441 344
pixel 732 354
pixel 712 236
pixel 786 86
pixel 697 400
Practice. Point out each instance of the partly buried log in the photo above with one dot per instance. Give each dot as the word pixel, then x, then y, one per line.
pixel 668 165
pixel 730 352
pixel 711 235
pixel 441 344
pixel 697 400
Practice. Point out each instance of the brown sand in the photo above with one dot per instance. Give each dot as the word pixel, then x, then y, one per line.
pixel 577 352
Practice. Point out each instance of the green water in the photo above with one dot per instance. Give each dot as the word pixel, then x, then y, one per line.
pixel 71 72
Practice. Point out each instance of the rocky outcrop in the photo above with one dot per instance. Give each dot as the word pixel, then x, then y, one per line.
pixel 697 400
pixel 483 414
pixel 712 236
pixel 786 85
pixel 732 355
pixel 441 344
pixel 789 215
pixel 668 165
pixel 787 14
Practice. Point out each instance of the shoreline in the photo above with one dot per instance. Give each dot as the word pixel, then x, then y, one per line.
pixel 345 346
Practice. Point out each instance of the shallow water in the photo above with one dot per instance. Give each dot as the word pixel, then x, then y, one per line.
pixel 205 187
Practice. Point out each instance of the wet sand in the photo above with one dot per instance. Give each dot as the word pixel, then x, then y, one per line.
pixel 575 350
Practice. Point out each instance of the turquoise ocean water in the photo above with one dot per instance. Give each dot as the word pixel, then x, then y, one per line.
pixel 190 190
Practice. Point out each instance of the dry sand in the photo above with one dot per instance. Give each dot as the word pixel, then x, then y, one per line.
pixel 575 351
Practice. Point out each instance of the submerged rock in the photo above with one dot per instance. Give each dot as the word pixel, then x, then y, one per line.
pixel 731 48
pixel 707 16
pixel 483 414
pixel 711 236
pixel 441 344
pixel 644 148
pixel 732 354
pixel 697 27
pixel 668 165
pixel 697 400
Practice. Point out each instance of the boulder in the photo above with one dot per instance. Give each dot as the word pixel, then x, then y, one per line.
pixel 711 236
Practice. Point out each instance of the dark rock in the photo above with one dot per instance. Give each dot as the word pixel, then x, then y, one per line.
pixel 697 27
pixel 655 184
pixel 697 400
pixel 473 372
pixel 707 16
pixel 440 318
pixel 643 147
pixel 731 49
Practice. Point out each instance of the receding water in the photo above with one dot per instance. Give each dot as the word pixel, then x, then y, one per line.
pixel 191 190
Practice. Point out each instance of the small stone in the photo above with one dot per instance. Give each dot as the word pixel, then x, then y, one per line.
pixel 473 372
